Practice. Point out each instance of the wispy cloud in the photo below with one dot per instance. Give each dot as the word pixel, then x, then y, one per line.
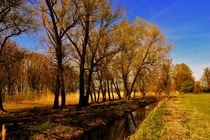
pixel 161 13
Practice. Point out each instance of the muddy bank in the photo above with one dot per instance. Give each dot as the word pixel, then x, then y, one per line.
pixel 70 123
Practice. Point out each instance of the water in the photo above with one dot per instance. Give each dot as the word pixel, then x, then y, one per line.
pixel 122 128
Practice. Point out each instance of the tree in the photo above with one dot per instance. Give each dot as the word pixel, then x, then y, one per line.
pixel 205 80
pixel 11 57
pixel 197 87
pixel 2 85
pixel 165 79
pixel 91 42
pixel 15 18
pixel 157 80
pixel 143 47
pixel 183 79
pixel 58 18
pixel 143 82
pixel 36 70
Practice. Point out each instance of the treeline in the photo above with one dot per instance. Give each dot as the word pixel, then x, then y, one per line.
pixel 91 49
pixel 185 82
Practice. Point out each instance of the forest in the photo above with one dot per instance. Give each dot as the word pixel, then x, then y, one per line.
pixel 91 55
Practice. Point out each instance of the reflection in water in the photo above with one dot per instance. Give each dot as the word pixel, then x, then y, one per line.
pixel 122 128
pixel 3 132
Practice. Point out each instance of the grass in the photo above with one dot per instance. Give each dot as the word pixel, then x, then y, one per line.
pixel 200 102
pixel 32 99
pixel 153 124
pixel 182 118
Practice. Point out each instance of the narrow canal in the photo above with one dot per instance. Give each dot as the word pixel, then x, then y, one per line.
pixel 122 128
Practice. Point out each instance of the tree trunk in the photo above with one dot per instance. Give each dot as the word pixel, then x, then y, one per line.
pixel 63 93
pixel 88 91
pixel 62 88
pixel 94 91
pixel 81 84
pixel 9 84
pixel 104 91
pixel 112 91
pixel 117 89
pixel 91 96
pixel 1 101
pixel 108 90
pixel 57 92
pixel 82 63
pixel 126 87
pixel 99 90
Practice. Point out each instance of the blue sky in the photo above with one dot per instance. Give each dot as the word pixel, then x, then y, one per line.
pixel 186 23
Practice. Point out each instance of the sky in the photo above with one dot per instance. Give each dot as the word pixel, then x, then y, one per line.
pixel 186 24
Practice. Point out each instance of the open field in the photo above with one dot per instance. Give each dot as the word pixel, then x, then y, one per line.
pixel 184 117
pixel 200 103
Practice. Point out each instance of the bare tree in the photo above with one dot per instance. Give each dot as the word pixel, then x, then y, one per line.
pixel 90 42
pixel 58 18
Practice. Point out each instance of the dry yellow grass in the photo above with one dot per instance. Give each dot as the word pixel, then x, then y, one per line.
pixel 45 99
pixel 31 99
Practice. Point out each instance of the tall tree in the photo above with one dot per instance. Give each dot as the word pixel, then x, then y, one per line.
pixel 58 18
pixel 92 45
pixel 205 80
pixel 143 47
pixel 165 78
pixel 183 79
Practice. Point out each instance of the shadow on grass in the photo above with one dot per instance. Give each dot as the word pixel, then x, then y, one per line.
pixel 69 123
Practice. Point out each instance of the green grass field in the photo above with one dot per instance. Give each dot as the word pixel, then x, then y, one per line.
pixel 200 102
pixel 183 118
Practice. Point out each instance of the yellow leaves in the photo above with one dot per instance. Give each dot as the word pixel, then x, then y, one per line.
pixel 124 34
pixel 65 4
pixel 144 46
pixel 58 8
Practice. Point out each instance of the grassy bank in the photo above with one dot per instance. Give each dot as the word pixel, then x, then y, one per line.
pixel 153 124
pixel 69 123
pixel 184 117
